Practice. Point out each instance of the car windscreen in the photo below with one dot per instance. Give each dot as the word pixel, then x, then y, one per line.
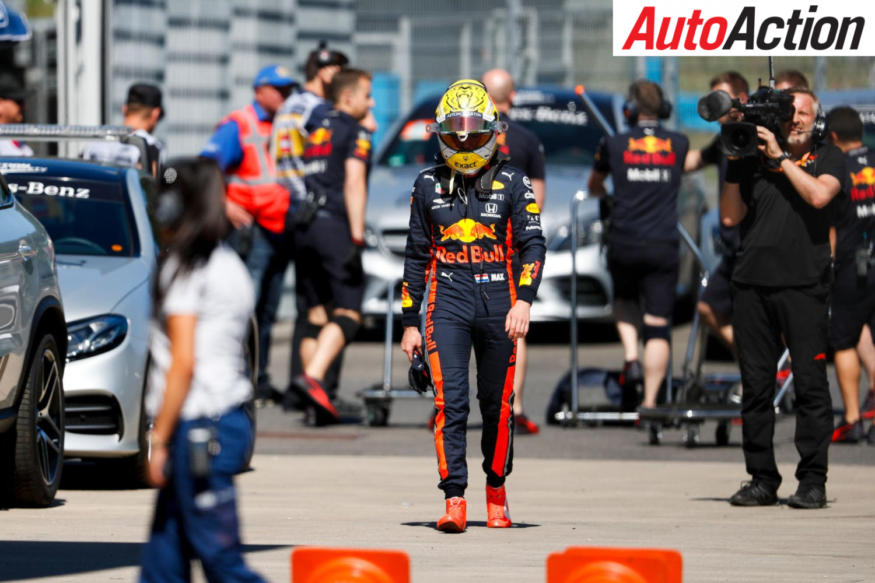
pixel 83 217
pixel 569 134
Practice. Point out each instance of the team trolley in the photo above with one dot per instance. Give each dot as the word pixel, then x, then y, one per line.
pixel 378 398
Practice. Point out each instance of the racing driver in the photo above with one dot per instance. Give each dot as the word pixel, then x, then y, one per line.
pixel 467 217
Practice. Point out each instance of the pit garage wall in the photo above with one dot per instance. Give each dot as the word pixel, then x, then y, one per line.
pixel 202 53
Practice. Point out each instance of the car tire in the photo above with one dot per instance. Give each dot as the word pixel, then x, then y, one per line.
pixel 39 428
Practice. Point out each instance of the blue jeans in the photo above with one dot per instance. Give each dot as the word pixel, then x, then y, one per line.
pixel 196 518
pixel 267 258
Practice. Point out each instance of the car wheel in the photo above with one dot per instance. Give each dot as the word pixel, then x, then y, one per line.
pixel 39 431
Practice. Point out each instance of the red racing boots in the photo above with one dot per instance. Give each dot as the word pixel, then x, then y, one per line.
pixel 454 520
pixel 498 515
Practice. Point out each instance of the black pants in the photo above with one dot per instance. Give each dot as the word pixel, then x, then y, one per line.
pixel 760 316
pixel 452 339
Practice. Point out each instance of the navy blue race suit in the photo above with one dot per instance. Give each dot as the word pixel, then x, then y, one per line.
pixel 463 241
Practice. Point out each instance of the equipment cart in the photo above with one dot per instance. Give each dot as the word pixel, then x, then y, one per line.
pixel 697 397
pixel 378 398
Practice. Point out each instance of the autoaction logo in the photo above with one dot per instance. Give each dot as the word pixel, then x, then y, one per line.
pixel 733 27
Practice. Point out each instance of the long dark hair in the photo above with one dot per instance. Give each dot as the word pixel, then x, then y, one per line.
pixel 190 210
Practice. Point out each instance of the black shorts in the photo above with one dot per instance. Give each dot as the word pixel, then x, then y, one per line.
pixel 327 270
pixel 852 305
pixel 648 271
pixel 718 294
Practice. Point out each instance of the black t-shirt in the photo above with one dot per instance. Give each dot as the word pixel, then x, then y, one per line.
pixel 784 240
pixel 646 165
pixel 524 148
pixel 713 154
pixel 855 220
pixel 338 138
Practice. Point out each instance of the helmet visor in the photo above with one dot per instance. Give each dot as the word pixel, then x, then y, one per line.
pixel 466 142
pixel 464 123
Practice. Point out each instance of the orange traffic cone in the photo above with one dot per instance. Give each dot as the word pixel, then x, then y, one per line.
pixel 320 565
pixel 600 565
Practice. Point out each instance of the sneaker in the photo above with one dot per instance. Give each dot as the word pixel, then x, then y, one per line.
pixel 497 512
pixel 522 425
pixel 870 437
pixel 808 496
pixel 631 374
pixel 312 390
pixel 755 493
pixel 848 432
pixel 454 520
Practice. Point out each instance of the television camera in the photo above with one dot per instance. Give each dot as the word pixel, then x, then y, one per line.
pixel 767 107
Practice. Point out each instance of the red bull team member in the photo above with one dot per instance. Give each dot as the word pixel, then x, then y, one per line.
pixel 300 115
pixel 256 205
pixel 328 263
pixel 526 153
pixel 852 299
pixel 646 164
pixel 467 217
pixel 780 285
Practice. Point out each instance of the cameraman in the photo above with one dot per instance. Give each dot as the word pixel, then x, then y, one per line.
pixel 646 164
pixel 853 293
pixel 780 286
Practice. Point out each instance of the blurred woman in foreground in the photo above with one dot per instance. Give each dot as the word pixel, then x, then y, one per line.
pixel 198 385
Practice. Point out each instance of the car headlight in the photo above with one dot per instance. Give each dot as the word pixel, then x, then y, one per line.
pixel 589 233
pixel 95 335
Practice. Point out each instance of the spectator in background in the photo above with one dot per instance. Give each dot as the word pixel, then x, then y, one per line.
pixel 202 435
pixel 142 111
pixel 790 79
pixel 852 300
pixel 300 115
pixel 526 153
pixel 643 240
pixel 329 243
pixel 257 205
pixel 715 304
pixel 12 96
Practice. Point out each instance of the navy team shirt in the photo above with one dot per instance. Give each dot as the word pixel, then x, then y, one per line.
pixel 338 138
pixel 646 165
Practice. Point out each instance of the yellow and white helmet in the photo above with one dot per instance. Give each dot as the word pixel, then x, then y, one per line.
pixel 467 125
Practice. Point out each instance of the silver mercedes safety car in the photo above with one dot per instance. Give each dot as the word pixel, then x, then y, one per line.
pixel 97 218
